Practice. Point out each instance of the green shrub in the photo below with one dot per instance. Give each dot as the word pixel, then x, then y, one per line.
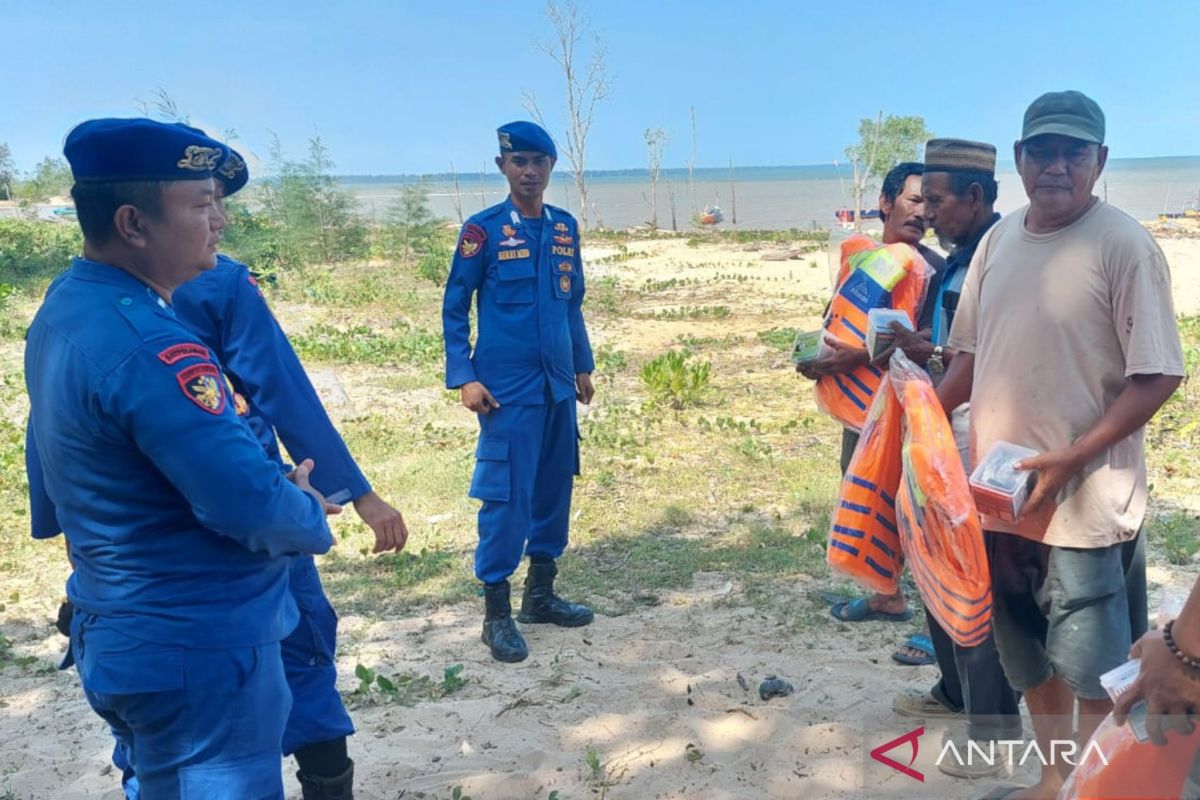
pixel 671 380
pixel 33 252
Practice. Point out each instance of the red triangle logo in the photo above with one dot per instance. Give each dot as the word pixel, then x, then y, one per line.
pixel 911 738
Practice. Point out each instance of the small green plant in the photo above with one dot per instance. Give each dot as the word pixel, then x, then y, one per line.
pixel 456 793
pixel 673 381
pixel 451 680
pixel 1180 537
pixel 592 759
pixel 406 689
pixel 609 359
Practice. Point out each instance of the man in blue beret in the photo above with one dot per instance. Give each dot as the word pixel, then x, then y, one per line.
pixel 273 394
pixel 180 529
pixel 227 310
pixel 531 362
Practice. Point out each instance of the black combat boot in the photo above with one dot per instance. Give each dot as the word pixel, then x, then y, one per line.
pixel 541 604
pixel 317 788
pixel 499 631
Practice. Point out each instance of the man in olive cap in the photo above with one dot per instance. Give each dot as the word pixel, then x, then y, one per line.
pixel 1066 343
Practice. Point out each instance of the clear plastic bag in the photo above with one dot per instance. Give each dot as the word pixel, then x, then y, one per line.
pixel 1135 770
pixel 939 526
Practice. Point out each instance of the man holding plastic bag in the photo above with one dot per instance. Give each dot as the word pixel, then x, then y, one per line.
pixel 1067 345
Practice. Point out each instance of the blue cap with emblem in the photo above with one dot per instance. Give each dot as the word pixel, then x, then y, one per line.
pixel 522 135
pixel 139 149
pixel 232 171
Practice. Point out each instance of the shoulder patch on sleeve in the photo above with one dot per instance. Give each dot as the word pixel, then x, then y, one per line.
pixel 470 241
pixel 178 352
pixel 201 383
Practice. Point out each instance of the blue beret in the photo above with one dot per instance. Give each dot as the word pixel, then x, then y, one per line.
pixel 110 150
pixel 523 135
pixel 231 172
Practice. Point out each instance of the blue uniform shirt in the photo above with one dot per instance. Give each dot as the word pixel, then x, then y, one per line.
pixel 530 288
pixel 227 311
pixel 178 526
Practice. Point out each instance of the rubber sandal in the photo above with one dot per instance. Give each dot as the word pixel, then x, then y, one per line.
pixel 859 610
pixel 918 641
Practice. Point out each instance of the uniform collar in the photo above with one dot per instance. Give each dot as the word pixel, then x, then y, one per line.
pixel 99 272
pixel 511 209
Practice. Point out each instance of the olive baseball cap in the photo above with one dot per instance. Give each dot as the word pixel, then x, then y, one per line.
pixel 1067 113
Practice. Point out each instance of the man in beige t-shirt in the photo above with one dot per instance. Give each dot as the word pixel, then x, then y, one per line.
pixel 1068 345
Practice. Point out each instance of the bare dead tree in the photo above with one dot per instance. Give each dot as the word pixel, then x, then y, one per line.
pixel 656 140
pixel 732 192
pixel 692 167
pixel 671 198
pixel 586 84
pixel 457 194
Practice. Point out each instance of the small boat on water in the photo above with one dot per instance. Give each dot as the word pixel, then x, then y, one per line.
pixel 711 215
pixel 846 215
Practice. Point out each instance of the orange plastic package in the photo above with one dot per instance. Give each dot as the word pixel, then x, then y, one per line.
pixel 940 532
pixel 863 540
pixel 871 276
pixel 1135 770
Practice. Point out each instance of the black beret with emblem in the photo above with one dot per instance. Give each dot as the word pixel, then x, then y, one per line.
pixel 112 150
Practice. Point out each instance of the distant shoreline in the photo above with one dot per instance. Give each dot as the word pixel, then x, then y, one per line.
pixel 713 174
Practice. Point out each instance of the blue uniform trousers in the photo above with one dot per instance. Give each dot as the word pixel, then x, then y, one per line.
pixel 526 461
pixel 317 714
pixel 193 723
pixel 308 660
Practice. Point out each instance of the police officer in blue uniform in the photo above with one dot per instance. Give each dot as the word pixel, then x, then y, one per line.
pixel 273 394
pixel 226 309
pixel 531 362
pixel 180 529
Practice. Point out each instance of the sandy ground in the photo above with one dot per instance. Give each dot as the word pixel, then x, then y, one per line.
pixel 655 694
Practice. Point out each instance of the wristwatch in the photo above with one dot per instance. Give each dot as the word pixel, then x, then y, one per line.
pixel 935 363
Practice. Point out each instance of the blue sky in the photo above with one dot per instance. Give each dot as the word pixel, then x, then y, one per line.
pixel 408 87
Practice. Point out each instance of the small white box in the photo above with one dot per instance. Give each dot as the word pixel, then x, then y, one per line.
pixel 998 488
pixel 1116 682
pixel 880 335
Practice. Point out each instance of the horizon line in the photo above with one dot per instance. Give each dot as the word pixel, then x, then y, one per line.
pixel 834 165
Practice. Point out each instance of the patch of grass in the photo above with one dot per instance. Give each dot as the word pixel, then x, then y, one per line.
pixel 362 345
pixel 603 294
pixel 779 338
pixel 673 381
pixel 687 312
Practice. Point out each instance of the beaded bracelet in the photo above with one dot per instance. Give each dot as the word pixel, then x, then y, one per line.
pixel 1192 664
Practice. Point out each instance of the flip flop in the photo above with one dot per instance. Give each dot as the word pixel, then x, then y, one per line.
pixel 859 610
pixel 1001 792
pixel 918 641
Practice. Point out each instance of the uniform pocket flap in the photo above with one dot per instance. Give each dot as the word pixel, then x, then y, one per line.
pixel 491 450
pixel 149 669
pixel 516 270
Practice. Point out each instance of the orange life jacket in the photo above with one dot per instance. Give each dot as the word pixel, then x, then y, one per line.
pixel 864 542
pixel 870 276
pixel 939 526
pixel 905 499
